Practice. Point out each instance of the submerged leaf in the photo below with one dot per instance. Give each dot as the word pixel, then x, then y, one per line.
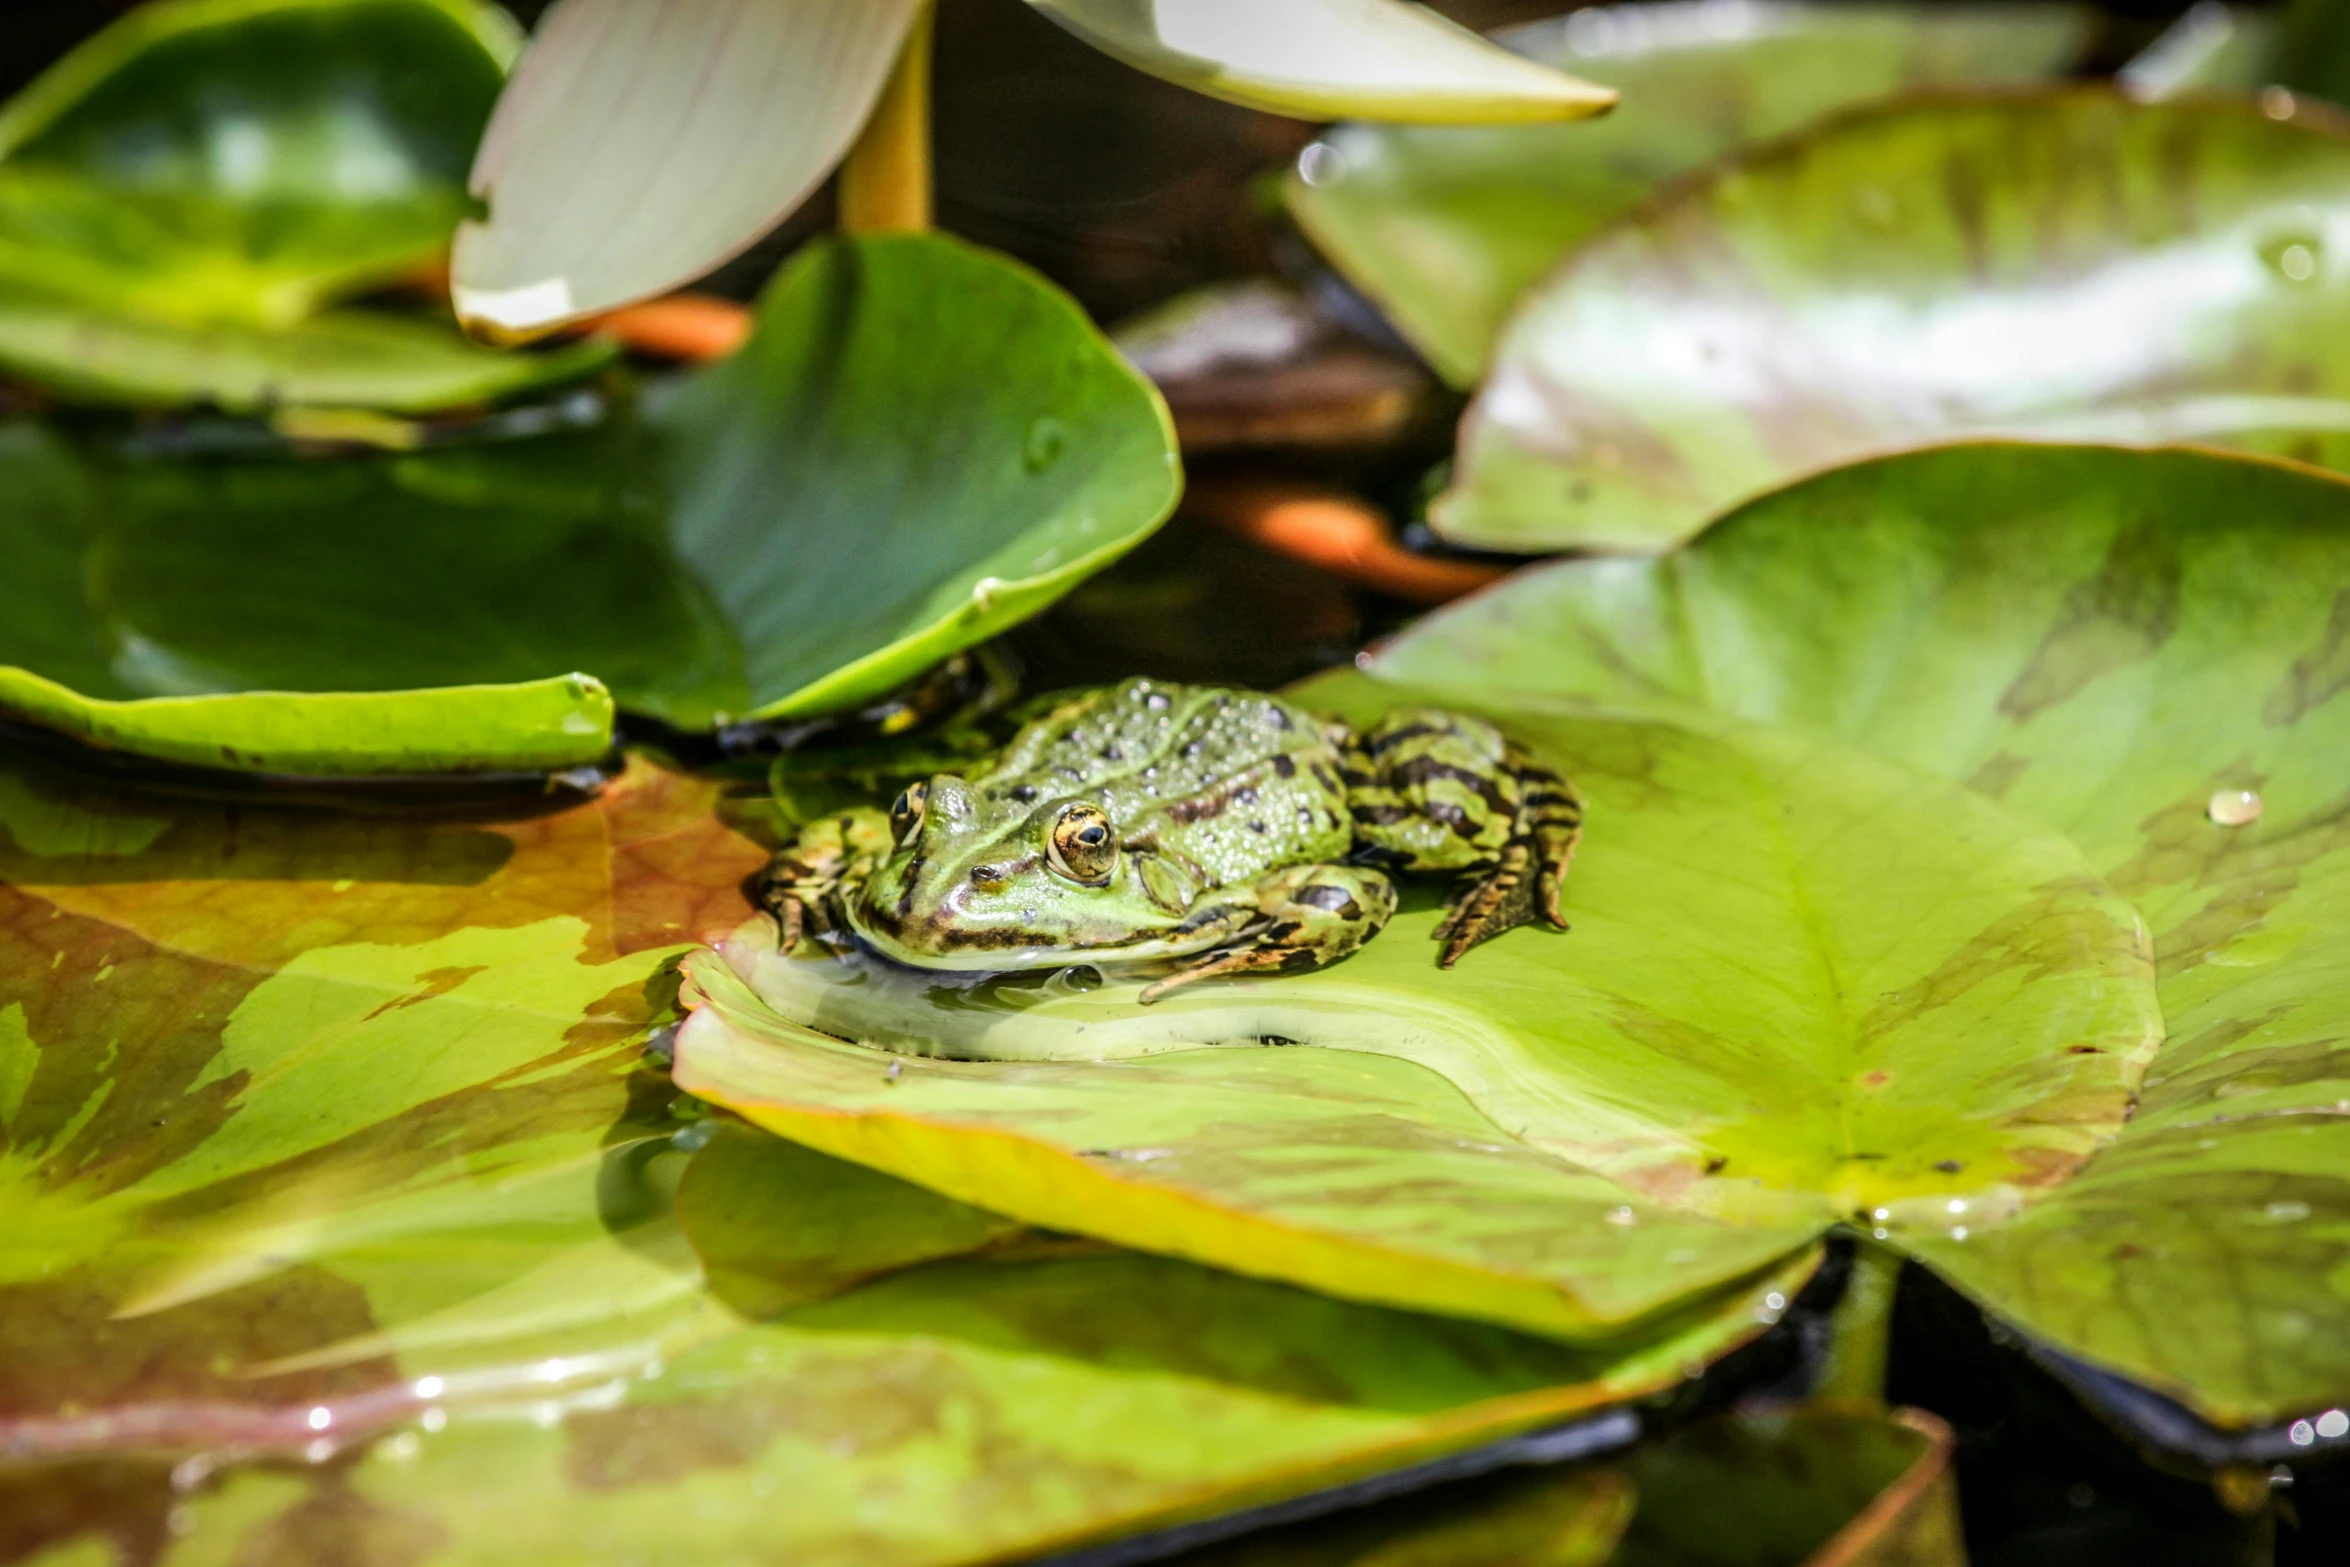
pixel 1444 227
pixel 327 1137
pixel 1319 59
pixel 2058 265
pixel 640 145
pixel 2121 646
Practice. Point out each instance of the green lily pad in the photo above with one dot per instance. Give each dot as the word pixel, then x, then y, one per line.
pixel 330 1138
pixel 2117 645
pixel 1801 984
pixel 2054 265
pixel 1445 227
pixel 182 196
pixel 920 446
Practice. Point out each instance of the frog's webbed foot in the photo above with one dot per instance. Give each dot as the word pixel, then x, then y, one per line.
pixel 1310 915
pixel 1526 881
pixel 801 886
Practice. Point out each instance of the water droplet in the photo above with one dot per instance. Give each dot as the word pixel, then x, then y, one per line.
pixel 2235 807
pixel 1321 164
pixel 1958 1205
pixel 2297 262
pixel 2302 1434
pixel 2333 1423
pixel 320 1451
pixel 434 1419
pixel 1775 1301
pixel 1881 1213
pixel 1047 439
pixel 403 1448
pixel 321 1418
pixel 1880 1233
pixel 2277 103
pixel 1622 1215
pixel 1958 1232
pixel 2287 1211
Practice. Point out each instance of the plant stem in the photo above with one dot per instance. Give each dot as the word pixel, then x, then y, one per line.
pixel 1862 1331
pixel 885 183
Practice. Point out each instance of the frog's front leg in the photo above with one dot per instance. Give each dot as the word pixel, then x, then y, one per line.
pixel 1306 916
pixel 801 886
pixel 1436 791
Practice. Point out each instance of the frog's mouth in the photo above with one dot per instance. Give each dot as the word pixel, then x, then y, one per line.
pixel 916 943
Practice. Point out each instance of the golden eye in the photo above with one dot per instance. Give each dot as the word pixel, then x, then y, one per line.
pixel 1080 846
pixel 906 814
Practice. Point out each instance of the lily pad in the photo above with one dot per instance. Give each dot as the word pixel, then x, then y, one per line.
pixel 1801 984
pixel 1445 227
pixel 2054 265
pixel 329 1138
pixel 182 196
pixel 920 446
pixel 2145 651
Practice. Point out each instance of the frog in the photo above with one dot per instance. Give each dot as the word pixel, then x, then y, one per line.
pixel 1212 831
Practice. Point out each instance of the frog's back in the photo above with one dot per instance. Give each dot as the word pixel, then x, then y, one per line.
pixel 1229 776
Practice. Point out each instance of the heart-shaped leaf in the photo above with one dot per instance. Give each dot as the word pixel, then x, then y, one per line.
pixel 921 445
pixel 2058 265
pixel 328 1136
pixel 2146 651
pixel 1444 227
pixel 1801 984
pixel 180 196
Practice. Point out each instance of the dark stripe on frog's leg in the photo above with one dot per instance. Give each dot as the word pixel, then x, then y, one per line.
pixel 1310 916
pixel 804 884
pixel 1432 789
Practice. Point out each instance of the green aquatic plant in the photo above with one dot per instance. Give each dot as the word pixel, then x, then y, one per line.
pixel 191 200
pixel 1983 953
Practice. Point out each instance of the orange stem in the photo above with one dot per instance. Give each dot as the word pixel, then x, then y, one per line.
pixel 1335 532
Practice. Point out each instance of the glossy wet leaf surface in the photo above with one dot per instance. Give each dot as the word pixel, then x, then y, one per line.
pixel 340 1205
pixel 182 196
pixel 1801 984
pixel 1445 227
pixel 2058 265
pixel 921 446
pixel 2104 642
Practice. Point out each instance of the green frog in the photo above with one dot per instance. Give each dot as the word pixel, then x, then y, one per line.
pixel 1218 831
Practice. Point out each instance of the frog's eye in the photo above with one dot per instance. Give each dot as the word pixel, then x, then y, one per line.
pixel 1080 846
pixel 906 814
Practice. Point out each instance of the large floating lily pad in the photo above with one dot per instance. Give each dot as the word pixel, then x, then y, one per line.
pixel 2061 265
pixel 921 446
pixel 1801 984
pixel 1446 226
pixel 182 195
pixel 2104 642
pixel 330 1137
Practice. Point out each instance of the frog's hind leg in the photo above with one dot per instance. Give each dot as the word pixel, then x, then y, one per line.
pixel 802 885
pixel 1310 916
pixel 1436 791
